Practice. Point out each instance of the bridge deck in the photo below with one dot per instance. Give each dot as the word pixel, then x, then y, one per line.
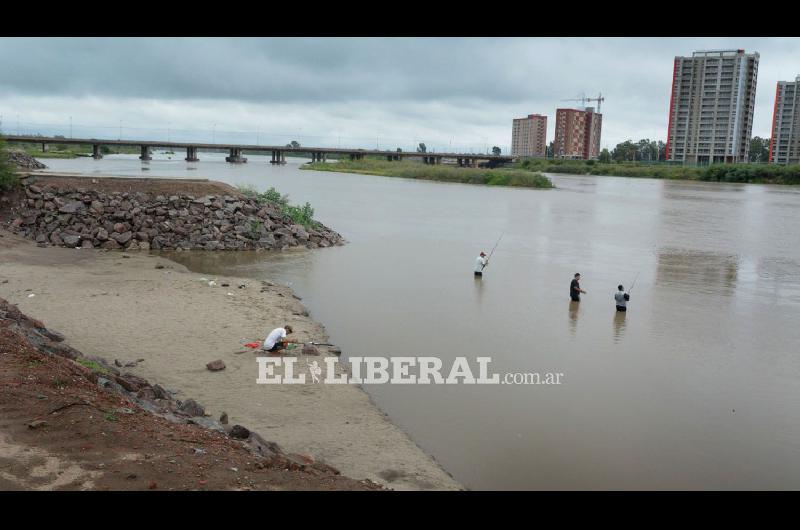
pixel 245 147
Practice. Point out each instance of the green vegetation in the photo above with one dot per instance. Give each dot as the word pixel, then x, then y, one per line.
pixel 442 173
pixel 8 177
pixel 753 173
pixel 111 416
pixel 656 151
pixel 91 365
pixel 302 215
pixel 74 151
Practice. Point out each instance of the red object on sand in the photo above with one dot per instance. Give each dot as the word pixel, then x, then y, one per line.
pixel 253 345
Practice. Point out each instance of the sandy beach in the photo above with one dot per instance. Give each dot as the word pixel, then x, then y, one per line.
pixel 120 306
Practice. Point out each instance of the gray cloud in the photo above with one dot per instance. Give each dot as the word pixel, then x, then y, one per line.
pixel 459 90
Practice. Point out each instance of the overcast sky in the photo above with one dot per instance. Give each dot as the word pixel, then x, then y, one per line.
pixel 353 92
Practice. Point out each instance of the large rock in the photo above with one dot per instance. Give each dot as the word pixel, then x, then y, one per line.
pixel 72 207
pixel 71 240
pixel 310 349
pixel 216 366
pixel 239 432
pixel 122 238
pixel 191 407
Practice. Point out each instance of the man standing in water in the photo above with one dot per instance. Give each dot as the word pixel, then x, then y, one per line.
pixel 480 263
pixel 621 298
pixel 575 288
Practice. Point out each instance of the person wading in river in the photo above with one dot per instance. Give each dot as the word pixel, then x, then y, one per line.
pixel 575 288
pixel 276 340
pixel 621 298
pixel 480 264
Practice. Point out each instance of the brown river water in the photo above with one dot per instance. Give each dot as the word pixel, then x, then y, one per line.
pixel 696 387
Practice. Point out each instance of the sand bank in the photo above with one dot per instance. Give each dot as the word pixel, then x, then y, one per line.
pixel 120 306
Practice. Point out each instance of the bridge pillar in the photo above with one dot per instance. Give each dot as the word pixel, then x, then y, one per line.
pixel 96 154
pixel 278 157
pixel 145 153
pixel 235 156
pixel 324 157
pixel 191 154
pixel 45 148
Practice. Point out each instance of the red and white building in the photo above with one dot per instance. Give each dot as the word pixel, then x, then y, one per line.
pixel 577 133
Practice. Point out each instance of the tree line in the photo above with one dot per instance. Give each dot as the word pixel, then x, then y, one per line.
pixel 647 150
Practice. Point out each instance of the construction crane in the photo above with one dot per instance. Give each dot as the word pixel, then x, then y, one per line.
pixel 599 99
pixel 583 99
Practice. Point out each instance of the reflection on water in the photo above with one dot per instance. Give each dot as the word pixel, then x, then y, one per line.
pixel 574 307
pixel 478 287
pixel 701 272
pixel 619 324
pixel 646 402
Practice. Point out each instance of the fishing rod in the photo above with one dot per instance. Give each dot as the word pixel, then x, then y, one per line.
pixel 634 281
pixel 495 246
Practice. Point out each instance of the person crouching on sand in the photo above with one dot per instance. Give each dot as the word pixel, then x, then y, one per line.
pixel 277 339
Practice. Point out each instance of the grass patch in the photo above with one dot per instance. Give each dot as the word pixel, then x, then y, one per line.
pixel 111 416
pixel 92 365
pixel 751 173
pixel 301 215
pixel 8 175
pixel 59 383
pixel 515 177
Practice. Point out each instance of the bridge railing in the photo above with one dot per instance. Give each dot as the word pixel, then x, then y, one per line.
pixel 217 134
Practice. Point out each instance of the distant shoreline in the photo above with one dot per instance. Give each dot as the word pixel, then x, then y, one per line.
pixel 437 172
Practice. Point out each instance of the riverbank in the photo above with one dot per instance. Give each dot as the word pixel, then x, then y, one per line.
pixel 73 423
pixel 741 173
pixel 74 151
pixel 143 306
pixel 440 173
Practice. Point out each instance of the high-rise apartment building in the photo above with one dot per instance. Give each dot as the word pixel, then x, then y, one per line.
pixel 577 133
pixel 784 146
pixel 711 108
pixel 528 136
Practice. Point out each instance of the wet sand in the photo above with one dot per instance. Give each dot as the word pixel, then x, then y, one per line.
pixel 124 308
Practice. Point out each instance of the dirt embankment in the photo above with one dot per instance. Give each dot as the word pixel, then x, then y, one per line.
pixel 73 212
pixel 67 423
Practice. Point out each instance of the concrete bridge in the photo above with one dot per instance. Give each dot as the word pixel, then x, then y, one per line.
pixel 235 156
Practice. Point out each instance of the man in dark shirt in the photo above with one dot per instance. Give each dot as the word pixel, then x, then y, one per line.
pixel 575 288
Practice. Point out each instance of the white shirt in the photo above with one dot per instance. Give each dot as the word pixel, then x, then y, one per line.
pixel 480 263
pixel 274 336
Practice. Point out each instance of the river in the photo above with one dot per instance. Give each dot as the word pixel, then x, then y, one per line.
pixel 696 387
